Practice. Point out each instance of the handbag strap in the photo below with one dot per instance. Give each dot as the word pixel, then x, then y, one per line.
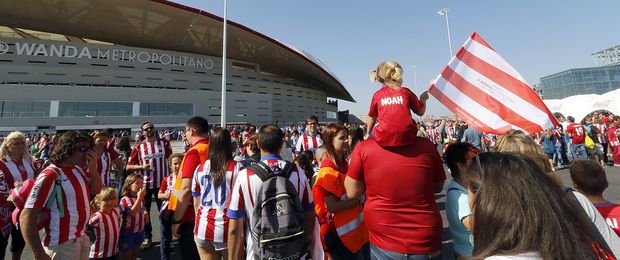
pixel 57 193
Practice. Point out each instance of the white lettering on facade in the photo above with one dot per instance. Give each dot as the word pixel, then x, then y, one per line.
pixel 70 51
pixel 85 53
pixel 143 60
pixel 56 50
pixel 154 57
pixel 132 56
pixel 73 54
pixel 103 55
pixel 114 54
pixel 41 51
pixel 161 59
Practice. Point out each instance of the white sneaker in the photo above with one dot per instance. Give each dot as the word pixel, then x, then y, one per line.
pixel 146 244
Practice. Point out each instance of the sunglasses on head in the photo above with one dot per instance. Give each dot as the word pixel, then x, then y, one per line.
pixel 148 128
pixel 477 158
pixel 83 149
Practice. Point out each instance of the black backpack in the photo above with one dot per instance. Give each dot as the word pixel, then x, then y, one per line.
pixel 277 227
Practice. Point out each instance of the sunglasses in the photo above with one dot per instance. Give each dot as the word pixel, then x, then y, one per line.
pixel 477 158
pixel 148 128
pixel 83 149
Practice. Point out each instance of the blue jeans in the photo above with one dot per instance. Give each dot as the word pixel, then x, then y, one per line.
pixel 382 254
pixel 148 229
pixel 582 147
pixel 557 155
pixel 165 228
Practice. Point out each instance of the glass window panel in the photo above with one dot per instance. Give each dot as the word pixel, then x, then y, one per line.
pixel 124 109
pixel 41 108
pixel 22 109
pixel 106 108
pixel 88 109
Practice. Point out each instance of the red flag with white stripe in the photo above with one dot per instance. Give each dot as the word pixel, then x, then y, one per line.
pixel 482 89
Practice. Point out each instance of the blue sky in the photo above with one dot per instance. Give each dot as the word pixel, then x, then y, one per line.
pixel 351 38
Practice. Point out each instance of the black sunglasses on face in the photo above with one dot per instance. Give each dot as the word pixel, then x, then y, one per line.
pixel 83 149
pixel 148 128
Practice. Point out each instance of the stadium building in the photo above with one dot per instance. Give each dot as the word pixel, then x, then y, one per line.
pixel 595 80
pixel 77 64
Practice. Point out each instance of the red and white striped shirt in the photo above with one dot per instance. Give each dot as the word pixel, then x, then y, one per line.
pixel 42 142
pixel 603 138
pixel 104 166
pixel 106 227
pixel 76 199
pixel 307 142
pixel 133 224
pixel 450 132
pixel 166 186
pixel 155 154
pixel 432 134
pixel 211 219
pixel 17 170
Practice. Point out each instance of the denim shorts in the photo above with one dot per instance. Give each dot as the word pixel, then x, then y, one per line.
pixel 128 242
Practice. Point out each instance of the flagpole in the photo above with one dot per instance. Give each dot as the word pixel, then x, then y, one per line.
pixel 223 116
pixel 445 12
pixel 415 77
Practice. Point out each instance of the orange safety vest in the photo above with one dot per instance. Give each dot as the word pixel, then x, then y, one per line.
pixel 349 224
pixel 202 149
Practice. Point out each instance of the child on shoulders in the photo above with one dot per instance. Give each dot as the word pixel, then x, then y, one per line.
pixel 390 122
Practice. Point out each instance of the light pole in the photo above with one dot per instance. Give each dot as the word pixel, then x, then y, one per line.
pixel 445 12
pixel 415 78
pixel 225 29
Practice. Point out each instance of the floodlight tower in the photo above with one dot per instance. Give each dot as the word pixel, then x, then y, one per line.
pixel 445 12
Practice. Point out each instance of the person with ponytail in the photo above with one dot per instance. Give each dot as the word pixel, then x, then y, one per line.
pixel 211 187
pixel 389 120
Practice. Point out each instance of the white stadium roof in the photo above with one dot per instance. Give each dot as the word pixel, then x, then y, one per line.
pixel 165 25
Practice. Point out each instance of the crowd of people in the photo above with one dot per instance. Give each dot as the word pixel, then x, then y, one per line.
pixel 314 191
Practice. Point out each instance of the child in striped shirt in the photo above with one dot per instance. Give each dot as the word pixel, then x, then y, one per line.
pixel 105 223
pixel 134 216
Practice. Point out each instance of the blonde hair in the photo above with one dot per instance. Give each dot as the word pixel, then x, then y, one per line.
pixel 131 179
pixel 518 142
pixel 100 134
pixel 105 194
pixel 9 140
pixel 389 73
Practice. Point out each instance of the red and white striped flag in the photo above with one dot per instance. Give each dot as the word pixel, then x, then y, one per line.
pixel 482 89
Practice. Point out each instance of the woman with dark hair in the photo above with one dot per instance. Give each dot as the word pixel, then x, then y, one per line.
pixel 519 212
pixel 343 230
pixel 356 134
pixel 211 186
pixel 123 146
pixel 305 164
pixel 458 212
pixel 518 142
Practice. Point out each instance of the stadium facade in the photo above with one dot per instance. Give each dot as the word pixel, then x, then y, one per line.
pixel 579 81
pixel 99 64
